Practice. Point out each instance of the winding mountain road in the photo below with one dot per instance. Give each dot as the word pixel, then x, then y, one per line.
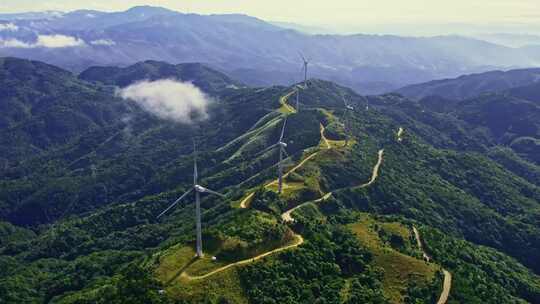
pixel 446 287
pixel 299 240
pixel 426 257
pixel 283 101
pixel 244 202
pixel 447 284
pixel 375 173
pixel 324 139
pixel 286 216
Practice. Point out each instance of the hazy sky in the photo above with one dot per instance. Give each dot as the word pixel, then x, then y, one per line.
pixel 337 14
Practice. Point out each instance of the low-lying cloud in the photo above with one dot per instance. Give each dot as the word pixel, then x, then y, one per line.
pixel 58 41
pixel 44 41
pixel 103 42
pixel 169 99
pixel 8 27
pixel 14 43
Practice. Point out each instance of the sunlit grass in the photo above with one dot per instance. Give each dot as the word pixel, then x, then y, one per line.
pixel 399 269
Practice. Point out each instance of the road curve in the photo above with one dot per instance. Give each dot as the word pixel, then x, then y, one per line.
pixel 287 217
pixel 322 128
pixel 299 240
pixel 283 100
pixel 426 257
pixel 243 203
pixel 446 287
pixel 375 173
pixel 447 284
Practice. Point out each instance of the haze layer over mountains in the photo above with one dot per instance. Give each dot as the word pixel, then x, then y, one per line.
pixel 248 49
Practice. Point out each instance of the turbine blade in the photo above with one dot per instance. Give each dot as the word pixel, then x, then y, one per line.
pixel 175 202
pixel 266 150
pixel 214 192
pixel 302 56
pixel 285 152
pixel 195 169
pixel 283 129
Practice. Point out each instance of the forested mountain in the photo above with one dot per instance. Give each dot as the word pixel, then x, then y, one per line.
pixel 499 108
pixel 207 79
pixel 78 213
pixel 468 86
pixel 367 63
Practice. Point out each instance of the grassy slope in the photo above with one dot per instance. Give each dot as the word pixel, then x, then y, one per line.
pixel 400 270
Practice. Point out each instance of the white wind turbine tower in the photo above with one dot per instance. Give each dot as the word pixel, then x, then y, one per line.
pixel 282 152
pixel 348 108
pixel 198 190
pixel 305 68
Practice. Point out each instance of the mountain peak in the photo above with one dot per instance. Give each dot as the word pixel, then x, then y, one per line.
pixel 148 9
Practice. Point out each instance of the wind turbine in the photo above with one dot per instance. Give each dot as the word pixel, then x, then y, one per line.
pixel 198 190
pixel 305 68
pixel 367 103
pixel 282 152
pixel 348 108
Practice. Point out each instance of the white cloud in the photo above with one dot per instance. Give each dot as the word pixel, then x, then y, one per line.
pixel 58 41
pixel 105 42
pixel 8 27
pixel 169 99
pixel 44 41
pixel 14 43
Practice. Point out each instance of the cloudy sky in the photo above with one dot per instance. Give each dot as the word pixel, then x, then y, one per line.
pixel 335 14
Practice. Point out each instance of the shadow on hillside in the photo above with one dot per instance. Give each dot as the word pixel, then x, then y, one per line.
pixel 179 272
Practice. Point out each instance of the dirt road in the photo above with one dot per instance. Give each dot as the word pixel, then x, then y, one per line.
pixel 287 217
pixel 446 287
pixel 376 168
pixel 324 137
pixel 447 284
pixel 299 240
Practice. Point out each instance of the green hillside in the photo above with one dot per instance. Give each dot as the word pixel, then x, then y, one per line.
pixel 79 218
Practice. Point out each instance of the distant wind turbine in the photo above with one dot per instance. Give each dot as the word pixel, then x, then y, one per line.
pixel 305 68
pixel 282 152
pixel 346 119
pixel 198 190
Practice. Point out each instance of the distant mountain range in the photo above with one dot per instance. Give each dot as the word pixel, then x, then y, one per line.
pixel 249 49
pixel 502 107
pixel 467 86
pixel 511 40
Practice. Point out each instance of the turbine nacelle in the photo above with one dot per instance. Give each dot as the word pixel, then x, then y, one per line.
pixel 282 144
pixel 350 107
pixel 200 189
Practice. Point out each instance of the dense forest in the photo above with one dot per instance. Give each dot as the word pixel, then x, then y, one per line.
pixel 84 173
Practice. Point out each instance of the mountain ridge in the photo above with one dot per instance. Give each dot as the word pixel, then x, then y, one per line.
pixel 92 204
pixel 367 63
